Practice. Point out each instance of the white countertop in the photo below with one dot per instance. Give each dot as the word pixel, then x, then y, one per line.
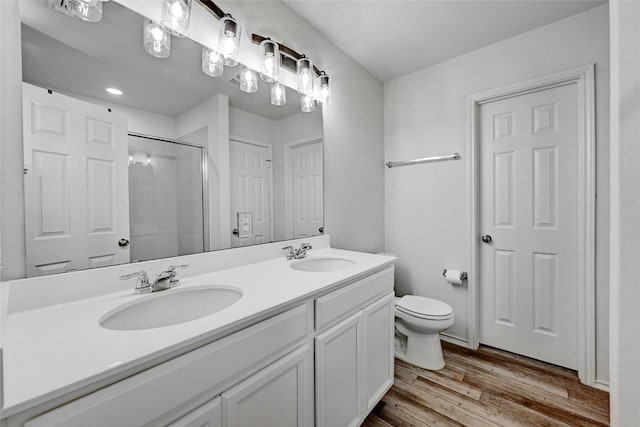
pixel 56 349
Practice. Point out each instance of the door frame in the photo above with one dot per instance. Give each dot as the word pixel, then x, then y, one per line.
pixel 288 177
pixel 583 78
pixel 269 147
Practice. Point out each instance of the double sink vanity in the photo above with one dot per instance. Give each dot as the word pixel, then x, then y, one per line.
pixel 248 338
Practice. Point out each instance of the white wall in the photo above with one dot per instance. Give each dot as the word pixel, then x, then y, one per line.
pixel 625 213
pixel 251 126
pixel 426 115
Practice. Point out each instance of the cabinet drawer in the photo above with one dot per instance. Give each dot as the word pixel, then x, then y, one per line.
pixel 146 396
pixel 336 305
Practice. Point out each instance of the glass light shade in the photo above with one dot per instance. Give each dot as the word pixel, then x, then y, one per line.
pixel 248 81
pixel 325 89
pixel 270 61
pixel 307 104
pixel 229 40
pixel 212 62
pixel 89 10
pixel 305 76
pixel 157 41
pixel 278 94
pixel 175 16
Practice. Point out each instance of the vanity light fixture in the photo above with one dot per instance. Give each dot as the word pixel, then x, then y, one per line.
pixel 270 60
pixel 305 76
pixel 325 89
pixel 175 16
pixel 278 94
pixel 212 62
pixel 114 91
pixel 229 40
pixel 307 104
pixel 157 41
pixel 248 81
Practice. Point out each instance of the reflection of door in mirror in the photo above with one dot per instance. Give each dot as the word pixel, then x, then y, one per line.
pixel 76 200
pixel 250 192
pixel 307 189
pixel 166 198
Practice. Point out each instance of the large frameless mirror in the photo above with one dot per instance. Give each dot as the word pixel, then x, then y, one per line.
pixel 130 157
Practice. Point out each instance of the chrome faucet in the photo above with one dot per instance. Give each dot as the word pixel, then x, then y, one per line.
pixel 299 253
pixel 164 280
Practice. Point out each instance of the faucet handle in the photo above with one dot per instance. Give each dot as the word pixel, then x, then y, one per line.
pixel 305 246
pixel 290 252
pixel 142 284
pixel 172 274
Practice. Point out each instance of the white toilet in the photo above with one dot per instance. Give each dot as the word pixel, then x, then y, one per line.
pixel 420 320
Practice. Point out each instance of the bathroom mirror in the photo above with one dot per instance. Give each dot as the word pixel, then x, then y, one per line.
pixel 179 163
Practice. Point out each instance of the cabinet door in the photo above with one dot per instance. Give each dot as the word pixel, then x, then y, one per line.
pixel 378 350
pixel 338 374
pixel 278 396
pixel 207 415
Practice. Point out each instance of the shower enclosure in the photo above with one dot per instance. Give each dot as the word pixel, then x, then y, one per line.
pixel 168 208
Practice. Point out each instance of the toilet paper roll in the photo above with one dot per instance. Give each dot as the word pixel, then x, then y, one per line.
pixel 455 277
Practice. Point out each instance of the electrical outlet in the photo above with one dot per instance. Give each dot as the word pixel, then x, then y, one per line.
pixel 245 224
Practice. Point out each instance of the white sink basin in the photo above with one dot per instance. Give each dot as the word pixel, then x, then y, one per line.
pixel 320 265
pixel 170 307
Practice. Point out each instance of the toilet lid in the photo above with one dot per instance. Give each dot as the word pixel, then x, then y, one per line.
pixel 423 307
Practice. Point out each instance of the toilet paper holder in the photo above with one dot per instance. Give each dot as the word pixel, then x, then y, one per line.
pixel 463 274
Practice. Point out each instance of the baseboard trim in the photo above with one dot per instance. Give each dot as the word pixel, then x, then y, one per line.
pixel 454 340
pixel 602 385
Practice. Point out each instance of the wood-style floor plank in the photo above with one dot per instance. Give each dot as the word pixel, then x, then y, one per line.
pixel 489 387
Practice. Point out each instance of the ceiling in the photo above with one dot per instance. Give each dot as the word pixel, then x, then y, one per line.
pixel 394 38
pixel 55 57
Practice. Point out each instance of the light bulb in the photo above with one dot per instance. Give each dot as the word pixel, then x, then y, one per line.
pixel 89 10
pixel 305 78
pixel 278 94
pixel 175 16
pixel 248 81
pixel 229 40
pixel 325 89
pixel 212 62
pixel 307 104
pixel 157 41
pixel 270 62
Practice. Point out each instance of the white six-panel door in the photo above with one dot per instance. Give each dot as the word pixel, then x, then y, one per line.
pixel 528 204
pixel 307 190
pixel 250 190
pixel 76 198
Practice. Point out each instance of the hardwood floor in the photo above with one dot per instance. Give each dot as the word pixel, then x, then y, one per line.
pixel 489 387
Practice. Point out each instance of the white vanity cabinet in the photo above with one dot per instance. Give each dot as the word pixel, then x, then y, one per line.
pixel 354 350
pixel 260 375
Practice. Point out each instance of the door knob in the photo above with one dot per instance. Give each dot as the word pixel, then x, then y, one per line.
pixel 321 229
pixel 486 238
pixel 123 243
pixel 235 231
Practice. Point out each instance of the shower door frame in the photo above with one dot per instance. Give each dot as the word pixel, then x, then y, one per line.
pixel 206 243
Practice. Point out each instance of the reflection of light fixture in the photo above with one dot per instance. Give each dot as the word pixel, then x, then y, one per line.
pixel 175 16
pixel 248 81
pixel 140 158
pixel 270 60
pixel 113 91
pixel 325 89
pixel 212 62
pixel 229 40
pixel 307 104
pixel 157 41
pixel 305 76
pixel 89 10
pixel 278 94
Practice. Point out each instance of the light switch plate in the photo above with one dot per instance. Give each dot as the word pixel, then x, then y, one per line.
pixel 245 224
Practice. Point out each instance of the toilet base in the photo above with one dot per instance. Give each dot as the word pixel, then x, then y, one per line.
pixel 422 350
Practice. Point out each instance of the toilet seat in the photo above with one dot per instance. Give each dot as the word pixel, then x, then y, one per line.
pixel 424 307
